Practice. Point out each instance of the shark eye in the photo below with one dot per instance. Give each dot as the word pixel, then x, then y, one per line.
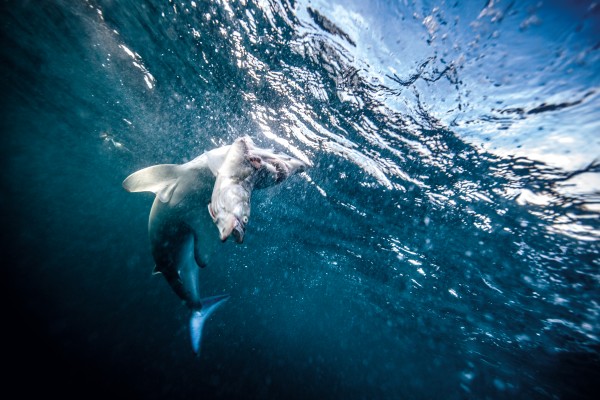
pixel 245 219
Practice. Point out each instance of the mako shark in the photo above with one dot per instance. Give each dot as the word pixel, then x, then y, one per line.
pixel 213 188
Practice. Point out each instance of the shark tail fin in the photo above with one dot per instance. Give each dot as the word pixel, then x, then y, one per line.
pixel 199 316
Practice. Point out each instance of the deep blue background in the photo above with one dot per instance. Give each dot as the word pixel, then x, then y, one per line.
pixel 441 246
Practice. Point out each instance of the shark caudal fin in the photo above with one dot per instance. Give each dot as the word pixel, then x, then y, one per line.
pixel 199 316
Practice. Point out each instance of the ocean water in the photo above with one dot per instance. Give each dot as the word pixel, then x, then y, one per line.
pixel 444 243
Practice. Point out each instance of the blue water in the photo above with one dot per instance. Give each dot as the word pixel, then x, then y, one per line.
pixel 444 243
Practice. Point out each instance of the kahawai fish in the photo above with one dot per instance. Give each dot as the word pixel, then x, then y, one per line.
pixel 244 168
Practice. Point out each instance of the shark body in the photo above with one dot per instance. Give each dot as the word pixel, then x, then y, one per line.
pixel 181 225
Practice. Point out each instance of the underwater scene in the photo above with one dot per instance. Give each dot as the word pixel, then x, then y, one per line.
pixel 424 220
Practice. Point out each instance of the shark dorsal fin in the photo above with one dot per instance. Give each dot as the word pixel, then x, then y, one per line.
pixel 159 179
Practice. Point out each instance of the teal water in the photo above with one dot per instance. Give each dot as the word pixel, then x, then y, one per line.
pixel 444 243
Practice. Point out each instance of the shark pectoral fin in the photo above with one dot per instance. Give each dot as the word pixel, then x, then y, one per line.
pixel 159 179
pixel 199 316
pixel 165 194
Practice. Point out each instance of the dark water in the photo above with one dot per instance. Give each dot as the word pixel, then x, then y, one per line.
pixel 443 245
